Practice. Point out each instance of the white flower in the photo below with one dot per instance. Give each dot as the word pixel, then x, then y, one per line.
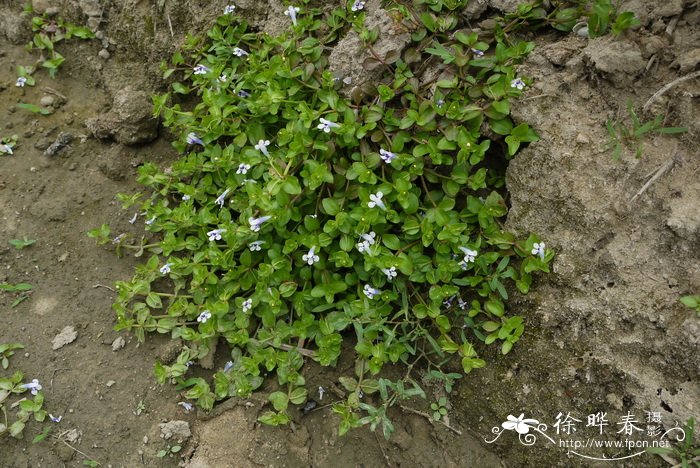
pixel 462 304
pixel 215 234
pixel 247 305
pixel 21 82
pixel 363 247
pixel 201 70
pixel 237 51
pixel 440 103
pixel 370 292
pixel 133 218
pixel 192 139
pixel 186 406
pixel 220 200
pixel 478 53
pixel 376 200
pixel 222 78
pixel 204 316
pixel 321 392
pixel 255 223
pixel 243 168
pixel 538 249
pixel 357 5
pixel 6 149
pixel 243 94
pixel 255 246
pixel 517 83
pixel 469 254
pixel 228 366
pixel 185 197
pixel 387 156
pixel 326 125
pixel 229 9
pixel 118 239
pixel 310 257
pixel 522 426
pixel 292 13
pixel 34 386
pixel 390 273
pixel 262 146
pixel 165 269
pixel 56 419
pixel 150 221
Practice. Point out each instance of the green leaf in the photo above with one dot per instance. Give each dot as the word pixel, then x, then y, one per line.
pixel 34 108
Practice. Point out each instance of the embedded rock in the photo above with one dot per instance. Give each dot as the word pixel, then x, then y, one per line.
pixel 623 61
pixel 178 430
pixel 129 122
pixel 67 335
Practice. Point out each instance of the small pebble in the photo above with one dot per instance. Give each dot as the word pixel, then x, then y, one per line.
pixel 104 54
pixel 110 383
pixel 52 11
pixel 145 439
pixel 47 101
pixel 99 35
pixel 33 169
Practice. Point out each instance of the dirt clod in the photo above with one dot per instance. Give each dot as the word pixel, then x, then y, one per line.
pixel 66 336
pixel 179 430
pixel 130 120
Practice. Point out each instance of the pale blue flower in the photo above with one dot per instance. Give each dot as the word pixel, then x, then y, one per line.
pixel 186 406
pixel 262 147
pixel 21 81
pixel 243 94
pixel 204 316
pixel 34 386
pixel 247 305
pixel 326 125
pixel 56 419
pixel 192 139
pixel 462 304
pixel 133 218
pixel 357 5
pixel 440 103
pixel 368 241
pixel 185 197
pixel 229 9
pixel 222 78
pixel 237 51
pixel 165 269
pixel 376 200
pixel 387 156
pixel 118 239
pixel 469 256
pixel 201 70
pixel 478 53
pixel 228 366
pixel 538 249
pixel 310 257
pixel 292 13
pixel 150 221
pixel 255 246
pixel 390 273
pixel 517 83
pixel 370 292
pixel 215 235
pixel 255 223
pixel 6 149
pixel 220 200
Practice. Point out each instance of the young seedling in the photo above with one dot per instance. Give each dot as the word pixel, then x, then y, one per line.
pixel 20 244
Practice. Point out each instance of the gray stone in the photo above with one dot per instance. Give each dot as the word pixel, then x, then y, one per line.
pixel 178 430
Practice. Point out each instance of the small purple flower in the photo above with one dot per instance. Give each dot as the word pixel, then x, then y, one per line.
pixel 193 139
pixel 262 147
pixel 326 125
pixel 292 13
pixel 215 235
pixel 201 70
pixel 255 223
pixel 229 9
pixel 243 168
pixel 243 94
pixel 517 83
pixel 390 273
pixel 247 305
pixel 228 366
pixel 165 269
pixel 56 419
pixel 370 292
pixel 357 5
pixel 538 249
pixel 255 246
pixel 376 200
pixel 478 53
pixel 220 200
pixel 186 406
pixel 204 316
pixel 34 386
pixel 310 257
pixel 387 156
pixel 238 52
pixel 21 81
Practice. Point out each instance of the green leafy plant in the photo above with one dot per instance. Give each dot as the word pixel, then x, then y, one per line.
pixel 604 15
pixel 20 244
pixel 34 108
pixel 693 302
pixel 8 144
pixel 439 408
pixel 24 408
pixel 49 31
pixel 169 450
pixel 298 218
pixel 631 135
pixel 686 453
